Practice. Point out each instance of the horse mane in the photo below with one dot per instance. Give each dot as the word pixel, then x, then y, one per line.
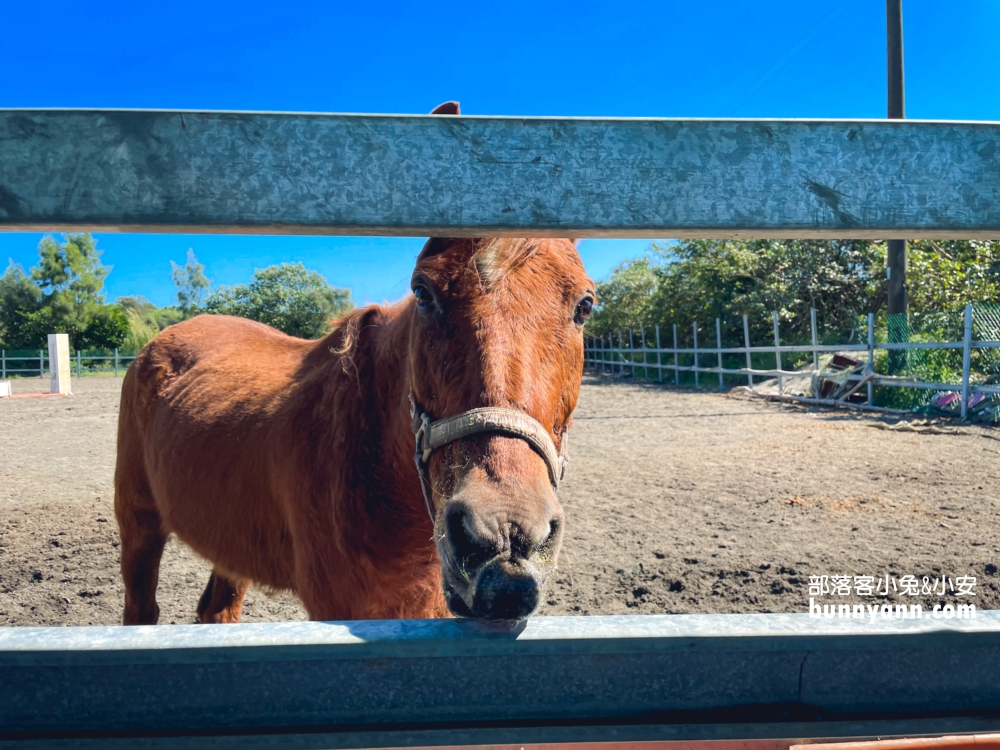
pixel 496 258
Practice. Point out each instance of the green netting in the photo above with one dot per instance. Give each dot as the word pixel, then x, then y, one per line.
pixel 898 331
pixel 897 328
pixel 986 327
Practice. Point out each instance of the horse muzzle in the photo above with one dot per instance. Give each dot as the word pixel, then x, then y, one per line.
pixel 501 591
pixel 500 543
pixel 500 575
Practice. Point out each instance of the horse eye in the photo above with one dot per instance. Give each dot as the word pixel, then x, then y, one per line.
pixel 425 300
pixel 583 310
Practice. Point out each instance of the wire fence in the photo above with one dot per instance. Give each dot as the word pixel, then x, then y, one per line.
pixel 25 363
pixel 897 366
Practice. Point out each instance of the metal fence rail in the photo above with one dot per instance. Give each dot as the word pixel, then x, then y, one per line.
pixel 603 353
pixel 495 176
pixel 459 682
pixel 41 360
pixel 82 362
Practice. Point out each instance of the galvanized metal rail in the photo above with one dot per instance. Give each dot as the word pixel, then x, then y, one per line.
pixel 459 682
pixel 491 176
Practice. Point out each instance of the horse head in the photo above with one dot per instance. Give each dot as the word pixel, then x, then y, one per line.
pixel 496 357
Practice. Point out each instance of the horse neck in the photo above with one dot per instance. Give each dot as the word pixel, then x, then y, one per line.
pixel 373 390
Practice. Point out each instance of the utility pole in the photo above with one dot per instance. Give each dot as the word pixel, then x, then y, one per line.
pixel 896 249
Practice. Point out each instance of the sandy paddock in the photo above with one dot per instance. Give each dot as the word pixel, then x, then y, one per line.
pixel 676 502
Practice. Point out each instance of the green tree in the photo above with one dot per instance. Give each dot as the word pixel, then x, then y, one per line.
pixel 700 280
pixel 19 296
pixel 192 284
pixel 146 320
pixel 71 277
pixel 943 277
pixel 67 298
pixel 288 297
pixel 628 296
pixel 108 328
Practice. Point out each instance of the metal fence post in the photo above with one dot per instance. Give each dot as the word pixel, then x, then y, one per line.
pixel 677 372
pixel 116 361
pixel 812 323
pixel 695 327
pixel 659 360
pixel 966 359
pixel 621 354
pixel 746 343
pixel 631 351
pixel 871 356
pixel 604 355
pixel 79 366
pixel 645 370
pixel 3 364
pixel 814 380
pixel 718 344
pixel 777 352
pixel 41 363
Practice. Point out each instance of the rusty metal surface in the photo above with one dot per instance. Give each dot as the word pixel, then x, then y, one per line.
pixel 467 176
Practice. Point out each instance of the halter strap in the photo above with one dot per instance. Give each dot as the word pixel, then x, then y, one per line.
pixel 430 436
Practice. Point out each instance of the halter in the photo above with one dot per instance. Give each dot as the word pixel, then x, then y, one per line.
pixel 430 436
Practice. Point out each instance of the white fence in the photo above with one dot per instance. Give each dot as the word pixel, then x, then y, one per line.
pixel 635 353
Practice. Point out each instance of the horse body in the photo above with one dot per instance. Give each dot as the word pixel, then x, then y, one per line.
pixel 289 463
pixel 276 461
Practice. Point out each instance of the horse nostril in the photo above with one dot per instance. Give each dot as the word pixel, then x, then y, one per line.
pixel 526 544
pixel 470 553
pixel 555 526
pixel 505 593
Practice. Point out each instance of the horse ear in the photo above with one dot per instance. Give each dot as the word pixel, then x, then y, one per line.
pixel 436 245
pixel 433 246
pixel 448 108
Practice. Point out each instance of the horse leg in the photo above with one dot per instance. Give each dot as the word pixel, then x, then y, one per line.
pixel 222 600
pixel 142 542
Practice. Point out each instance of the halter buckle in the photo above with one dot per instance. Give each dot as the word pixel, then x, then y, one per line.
pixel 423 438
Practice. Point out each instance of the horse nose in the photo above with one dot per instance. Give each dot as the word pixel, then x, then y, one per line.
pixel 505 562
pixel 506 591
pixel 477 537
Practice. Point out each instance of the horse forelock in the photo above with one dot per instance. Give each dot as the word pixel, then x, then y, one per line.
pixel 496 258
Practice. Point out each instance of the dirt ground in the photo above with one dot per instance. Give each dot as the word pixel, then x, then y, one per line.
pixel 675 502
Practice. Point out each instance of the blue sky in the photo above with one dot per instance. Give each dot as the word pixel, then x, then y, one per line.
pixel 743 58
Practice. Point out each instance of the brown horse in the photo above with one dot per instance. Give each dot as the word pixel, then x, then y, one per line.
pixel 289 463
